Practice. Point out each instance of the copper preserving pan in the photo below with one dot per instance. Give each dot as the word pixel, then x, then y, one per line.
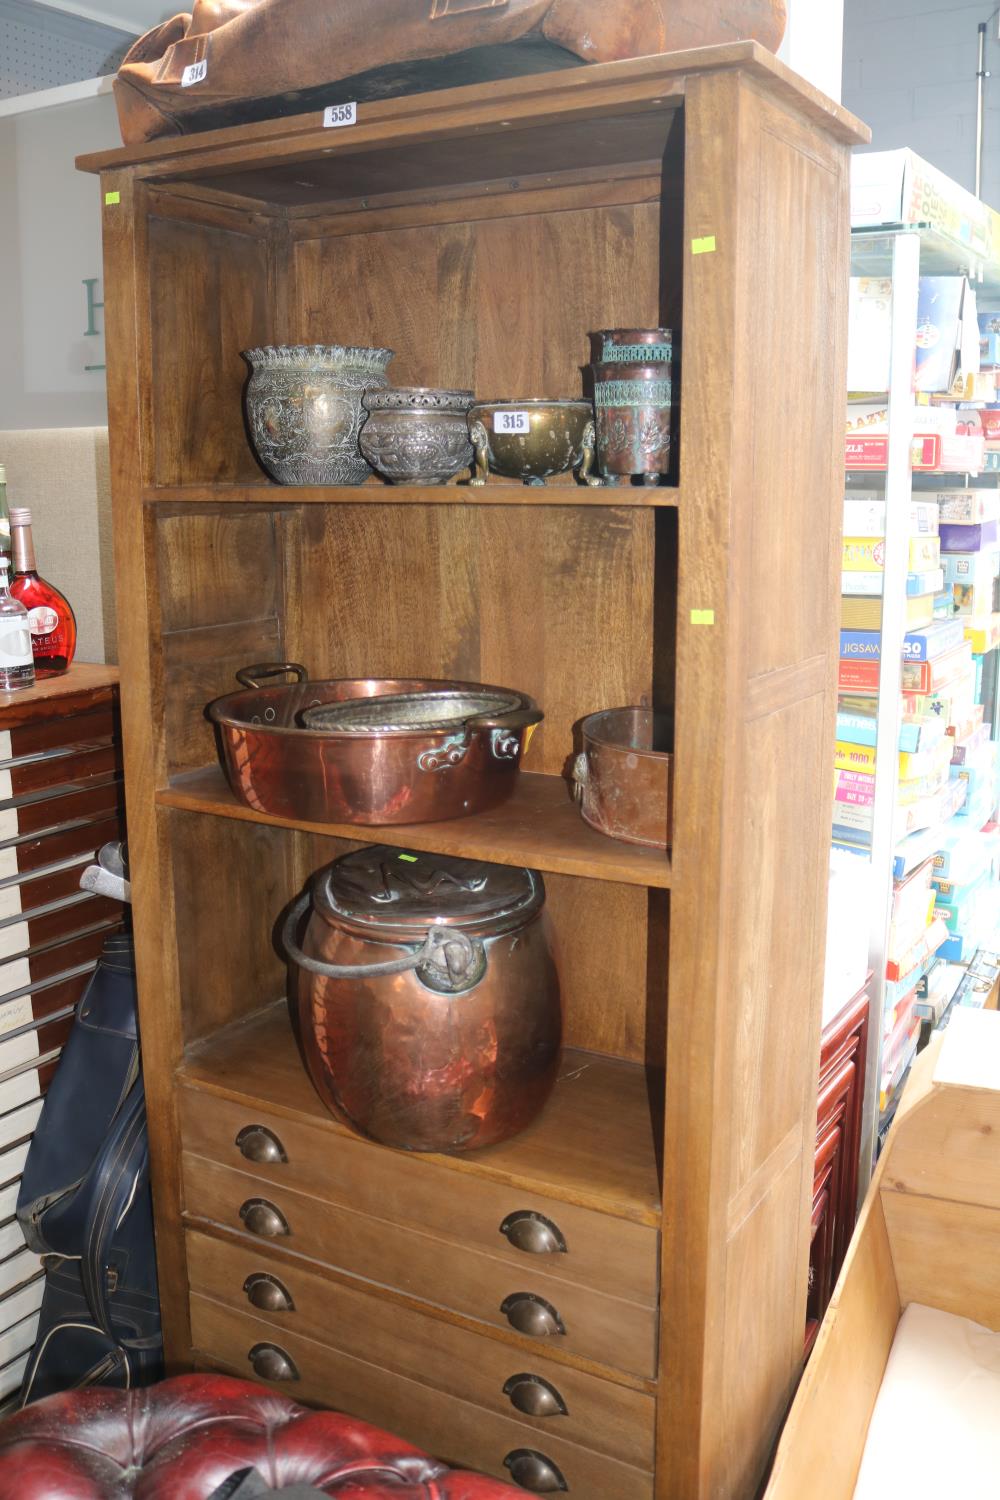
pixel 623 775
pixel 423 760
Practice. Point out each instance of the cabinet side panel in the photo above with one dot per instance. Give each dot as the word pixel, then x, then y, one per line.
pixel 761 482
pixel 208 291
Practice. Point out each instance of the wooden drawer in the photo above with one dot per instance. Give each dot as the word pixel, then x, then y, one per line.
pixel 65 805
pixel 457 1431
pixel 98 725
pixel 78 837
pixel 608 1330
pixel 607 1254
pixel 600 1414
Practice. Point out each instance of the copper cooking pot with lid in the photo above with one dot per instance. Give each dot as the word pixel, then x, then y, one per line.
pixel 428 998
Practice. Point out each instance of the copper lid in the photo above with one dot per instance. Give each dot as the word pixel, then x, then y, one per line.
pixel 384 892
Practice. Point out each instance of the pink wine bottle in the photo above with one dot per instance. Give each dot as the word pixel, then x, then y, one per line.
pixel 50 618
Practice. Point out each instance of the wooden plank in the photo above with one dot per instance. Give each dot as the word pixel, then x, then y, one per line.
pixel 926 1234
pixel 743 1047
pixel 820 1450
pixel 126 270
pixel 392 118
pixel 557 491
pixel 539 827
pixel 595 1143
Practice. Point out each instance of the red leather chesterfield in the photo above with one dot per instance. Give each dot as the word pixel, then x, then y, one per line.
pixel 180 1440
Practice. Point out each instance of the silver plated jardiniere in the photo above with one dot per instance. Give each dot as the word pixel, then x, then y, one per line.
pixel 304 410
pixel 416 435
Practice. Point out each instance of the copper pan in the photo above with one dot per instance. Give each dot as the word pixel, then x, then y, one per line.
pixel 623 775
pixel 401 775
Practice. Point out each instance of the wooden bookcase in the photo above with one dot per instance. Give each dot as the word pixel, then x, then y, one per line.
pixel 481 233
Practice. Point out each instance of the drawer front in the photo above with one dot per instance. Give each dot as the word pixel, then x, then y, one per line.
pixel 81 837
pixel 65 805
pixel 598 1413
pixel 457 1431
pixel 98 726
pixel 605 1329
pixel 610 1255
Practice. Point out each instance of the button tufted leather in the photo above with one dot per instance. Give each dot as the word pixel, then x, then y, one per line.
pixel 180 1440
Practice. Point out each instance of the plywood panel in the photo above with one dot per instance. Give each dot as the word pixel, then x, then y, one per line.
pixel 216 568
pixel 927 1234
pixel 208 301
pixel 231 878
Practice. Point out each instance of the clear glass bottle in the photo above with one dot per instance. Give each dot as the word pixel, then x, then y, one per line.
pixel 50 616
pixel 17 669
pixel 5 543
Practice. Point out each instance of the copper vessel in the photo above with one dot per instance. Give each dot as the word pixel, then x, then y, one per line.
pixel 633 346
pixel 633 406
pixel 532 439
pixel 428 998
pixel 623 775
pixel 401 770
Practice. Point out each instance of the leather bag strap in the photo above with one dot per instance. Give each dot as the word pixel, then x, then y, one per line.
pixel 120 1171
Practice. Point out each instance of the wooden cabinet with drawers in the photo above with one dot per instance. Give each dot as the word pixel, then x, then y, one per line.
pixel 612 1302
pixel 60 800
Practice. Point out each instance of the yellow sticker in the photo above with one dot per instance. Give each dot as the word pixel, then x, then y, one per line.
pixel 703 617
pixel 528 736
pixel 704 246
pixel 110 198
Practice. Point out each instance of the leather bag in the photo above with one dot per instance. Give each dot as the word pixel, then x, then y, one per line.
pixel 84 1202
pixel 229 61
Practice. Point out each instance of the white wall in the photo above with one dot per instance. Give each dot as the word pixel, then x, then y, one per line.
pixel 50 245
pixel 813 41
pixel 910 73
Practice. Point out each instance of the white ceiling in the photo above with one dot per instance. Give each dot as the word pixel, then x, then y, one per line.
pixel 128 15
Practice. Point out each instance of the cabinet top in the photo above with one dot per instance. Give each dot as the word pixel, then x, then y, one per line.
pixel 85 684
pixel 579 94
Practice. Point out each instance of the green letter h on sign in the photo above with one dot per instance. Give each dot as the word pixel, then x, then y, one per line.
pixel 93 306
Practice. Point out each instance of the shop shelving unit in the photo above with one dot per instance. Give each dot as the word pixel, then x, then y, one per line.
pixel 482 232
pixel 902 255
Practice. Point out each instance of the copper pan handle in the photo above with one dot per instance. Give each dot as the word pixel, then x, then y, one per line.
pixel 252 677
pixel 447 959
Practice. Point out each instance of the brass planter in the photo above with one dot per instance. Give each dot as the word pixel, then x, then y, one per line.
pixel 533 439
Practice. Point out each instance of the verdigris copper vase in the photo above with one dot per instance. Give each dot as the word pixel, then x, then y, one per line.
pixel 632 404
pixel 304 410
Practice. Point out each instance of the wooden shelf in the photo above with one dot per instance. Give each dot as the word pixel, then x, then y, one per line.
pixel 593 1145
pixel 539 827
pixel 374 492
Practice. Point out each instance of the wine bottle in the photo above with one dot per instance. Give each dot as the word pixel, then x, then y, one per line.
pixel 16 663
pixel 5 545
pixel 50 618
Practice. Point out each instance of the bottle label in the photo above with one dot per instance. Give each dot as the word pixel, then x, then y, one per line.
pixel 15 643
pixel 43 620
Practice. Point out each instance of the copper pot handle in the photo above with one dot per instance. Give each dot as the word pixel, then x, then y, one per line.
pixel 447 960
pixel 252 677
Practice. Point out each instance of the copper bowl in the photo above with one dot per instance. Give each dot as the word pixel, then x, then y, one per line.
pixel 407 772
pixel 623 775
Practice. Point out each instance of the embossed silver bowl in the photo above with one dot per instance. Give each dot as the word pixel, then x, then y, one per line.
pixel 416 435
pixel 304 412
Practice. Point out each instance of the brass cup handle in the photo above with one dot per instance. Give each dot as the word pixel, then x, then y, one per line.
pixel 271 1362
pixel 268 1292
pixel 534 1396
pixel 532 1315
pixel 259 1144
pixel 581 771
pixel 263 1219
pixel 533 1233
pixel 533 1471
pixel 252 677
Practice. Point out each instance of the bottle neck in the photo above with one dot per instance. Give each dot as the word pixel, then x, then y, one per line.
pixel 24 550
